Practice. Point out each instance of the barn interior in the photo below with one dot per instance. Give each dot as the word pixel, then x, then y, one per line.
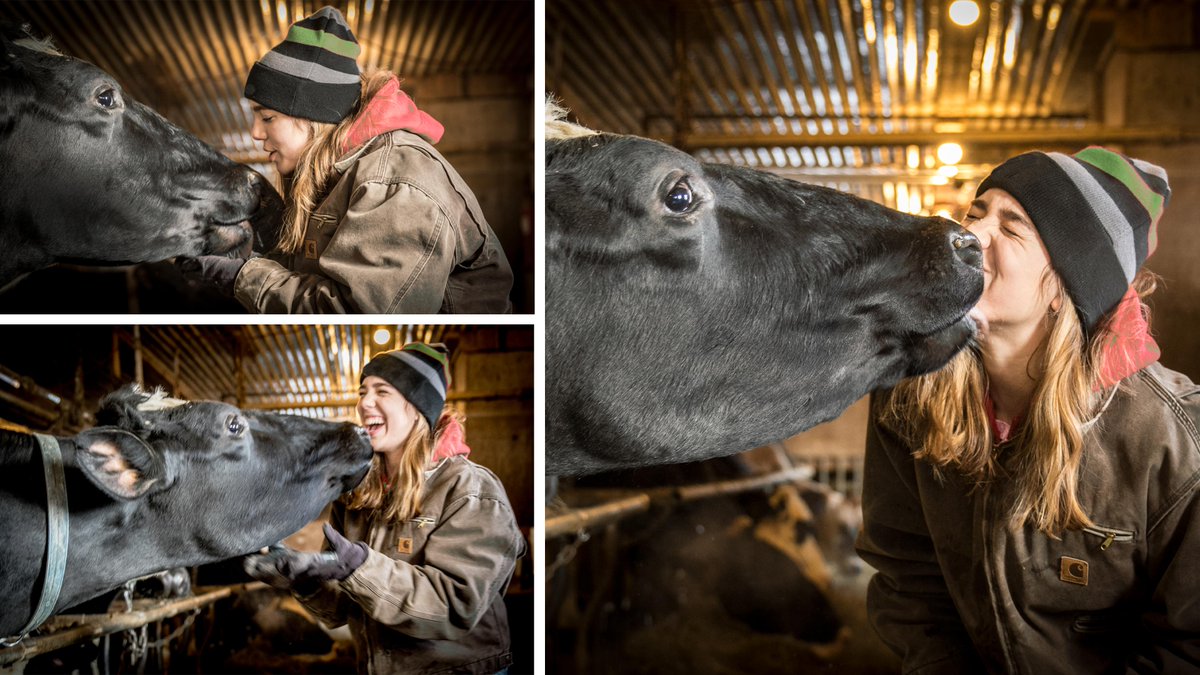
pixel 214 618
pixel 905 102
pixel 469 64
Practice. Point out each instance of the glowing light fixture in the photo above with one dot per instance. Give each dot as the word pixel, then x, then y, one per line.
pixel 950 153
pixel 964 12
pixel 382 336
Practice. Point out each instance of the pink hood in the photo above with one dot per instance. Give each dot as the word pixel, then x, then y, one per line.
pixel 1132 347
pixel 452 442
pixel 389 110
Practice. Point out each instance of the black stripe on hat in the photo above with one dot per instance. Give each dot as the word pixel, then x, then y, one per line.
pixel 314 54
pixel 1155 183
pixel 328 19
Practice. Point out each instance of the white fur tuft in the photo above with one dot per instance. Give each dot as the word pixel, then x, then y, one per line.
pixel 158 400
pixel 557 126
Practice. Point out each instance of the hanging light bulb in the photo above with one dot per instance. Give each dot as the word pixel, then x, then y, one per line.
pixel 964 12
pixel 950 153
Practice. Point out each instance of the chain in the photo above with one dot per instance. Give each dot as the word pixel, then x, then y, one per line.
pixel 137 644
pixel 177 632
pixel 567 554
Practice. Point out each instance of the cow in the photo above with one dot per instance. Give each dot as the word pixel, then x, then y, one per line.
pixel 695 310
pixel 163 483
pixel 91 176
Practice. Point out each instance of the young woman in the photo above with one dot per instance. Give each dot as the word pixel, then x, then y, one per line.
pixel 1033 506
pixel 423 550
pixel 377 220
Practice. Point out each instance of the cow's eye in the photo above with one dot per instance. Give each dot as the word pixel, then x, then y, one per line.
pixel 235 425
pixel 679 199
pixel 107 99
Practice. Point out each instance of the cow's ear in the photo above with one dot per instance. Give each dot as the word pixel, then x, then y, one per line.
pixel 120 463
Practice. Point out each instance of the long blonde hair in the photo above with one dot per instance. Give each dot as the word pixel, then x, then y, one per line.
pixel 400 500
pixel 943 418
pixel 315 166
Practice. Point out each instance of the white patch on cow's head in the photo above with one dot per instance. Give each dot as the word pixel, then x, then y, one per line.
pixel 557 126
pixel 159 400
pixel 33 44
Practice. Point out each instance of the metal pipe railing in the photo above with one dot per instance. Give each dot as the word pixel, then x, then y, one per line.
pixel 116 622
pixel 625 503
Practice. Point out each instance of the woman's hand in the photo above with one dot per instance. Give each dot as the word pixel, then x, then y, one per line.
pixel 217 271
pixel 302 572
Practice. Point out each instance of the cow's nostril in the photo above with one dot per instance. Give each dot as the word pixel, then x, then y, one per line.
pixel 967 247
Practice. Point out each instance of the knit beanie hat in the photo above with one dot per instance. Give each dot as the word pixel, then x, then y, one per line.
pixel 1097 212
pixel 420 372
pixel 312 74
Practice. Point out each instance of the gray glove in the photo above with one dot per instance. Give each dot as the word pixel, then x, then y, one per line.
pixel 302 572
pixel 214 270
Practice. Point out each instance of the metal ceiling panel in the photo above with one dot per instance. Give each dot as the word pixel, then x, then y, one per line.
pixel 854 94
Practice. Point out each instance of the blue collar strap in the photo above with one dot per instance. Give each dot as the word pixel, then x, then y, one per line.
pixel 57 531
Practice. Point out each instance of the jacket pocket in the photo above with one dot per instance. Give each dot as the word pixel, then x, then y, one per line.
pixel 1101 622
pixel 1108 535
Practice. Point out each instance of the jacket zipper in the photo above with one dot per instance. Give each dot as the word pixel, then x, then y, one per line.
pixel 997 612
pixel 423 521
pixel 1109 535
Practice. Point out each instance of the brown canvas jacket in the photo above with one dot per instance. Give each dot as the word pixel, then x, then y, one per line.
pixel 957 592
pixel 430 596
pixel 399 232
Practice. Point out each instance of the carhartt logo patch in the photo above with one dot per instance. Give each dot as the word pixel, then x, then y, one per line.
pixel 404 545
pixel 310 249
pixel 1073 570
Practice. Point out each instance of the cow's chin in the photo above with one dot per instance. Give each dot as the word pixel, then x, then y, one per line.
pixel 227 238
pixel 353 481
pixel 934 350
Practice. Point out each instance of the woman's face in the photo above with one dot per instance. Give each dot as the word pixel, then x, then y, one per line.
pixel 282 136
pixel 1015 264
pixel 388 417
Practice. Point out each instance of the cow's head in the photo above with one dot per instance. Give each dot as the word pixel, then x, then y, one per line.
pixel 270 473
pixel 93 176
pixel 694 310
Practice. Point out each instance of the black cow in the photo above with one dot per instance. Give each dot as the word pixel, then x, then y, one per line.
pixel 88 175
pixel 160 486
pixel 695 310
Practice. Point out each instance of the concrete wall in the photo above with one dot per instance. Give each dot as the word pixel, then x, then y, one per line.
pixel 493 368
pixel 489 141
pixel 1153 80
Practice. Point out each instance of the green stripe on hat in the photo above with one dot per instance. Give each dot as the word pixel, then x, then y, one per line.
pixel 1118 167
pixel 324 40
pixel 431 353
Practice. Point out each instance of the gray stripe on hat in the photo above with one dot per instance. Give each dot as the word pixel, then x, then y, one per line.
pixel 1104 209
pixel 307 70
pixel 1147 167
pixel 423 368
